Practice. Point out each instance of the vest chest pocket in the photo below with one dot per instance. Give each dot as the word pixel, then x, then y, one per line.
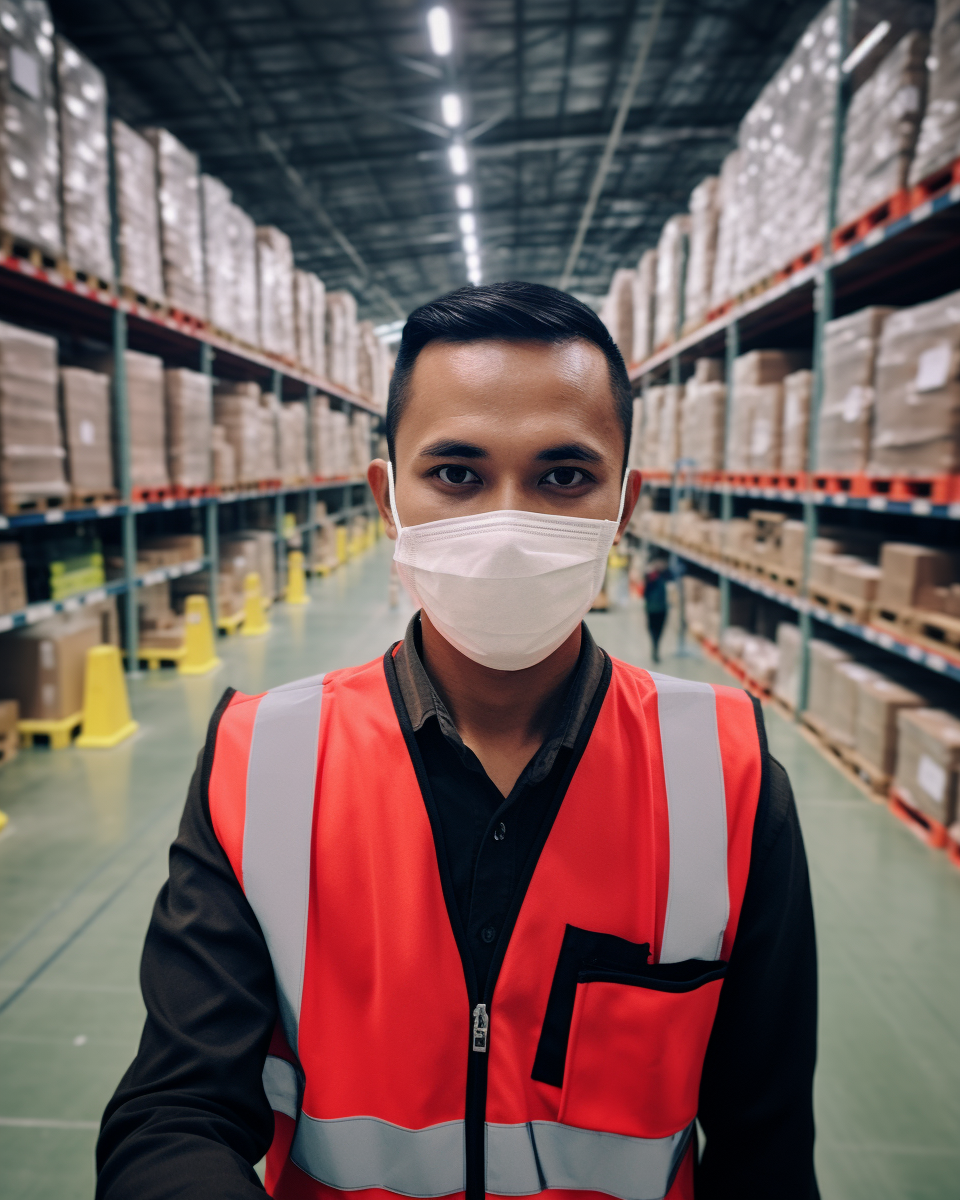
pixel 625 1039
pixel 636 1049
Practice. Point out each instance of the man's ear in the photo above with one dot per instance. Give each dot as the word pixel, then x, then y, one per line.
pixel 380 486
pixel 632 495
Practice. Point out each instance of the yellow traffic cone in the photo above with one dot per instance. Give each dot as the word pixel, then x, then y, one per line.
pixel 106 710
pixel 342 552
pixel 200 656
pixel 254 621
pixel 296 579
pixel 3 820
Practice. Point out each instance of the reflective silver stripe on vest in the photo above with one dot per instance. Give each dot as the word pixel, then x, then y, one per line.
pixel 522 1160
pixel 281 1086
pixel 281 781
pixel 364 1152
pixel 698 903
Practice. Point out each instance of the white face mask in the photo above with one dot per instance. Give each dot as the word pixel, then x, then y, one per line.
pixel 505 587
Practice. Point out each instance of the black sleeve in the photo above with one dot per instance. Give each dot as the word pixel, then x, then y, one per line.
pixel 190 1118
pixel 756 1093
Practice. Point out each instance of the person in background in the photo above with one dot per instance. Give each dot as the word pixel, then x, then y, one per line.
pixel 655 599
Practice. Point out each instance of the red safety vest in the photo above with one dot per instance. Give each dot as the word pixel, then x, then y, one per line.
pixel 579 1071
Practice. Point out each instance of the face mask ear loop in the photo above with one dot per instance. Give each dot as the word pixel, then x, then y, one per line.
pixel 393 498
pixel 623 494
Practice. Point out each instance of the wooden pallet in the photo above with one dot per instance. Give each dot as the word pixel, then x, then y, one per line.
pixel 94 499
pixel 230 623
pixel 14 246
pixel 150 495
pixel 21 502
pixel 158 307
pixel 201 491
pixel 157 656
pixel 933 631
pixel 784 580
pixel 859 611
pixel 936 489
pixel 891 209
pixel 873 783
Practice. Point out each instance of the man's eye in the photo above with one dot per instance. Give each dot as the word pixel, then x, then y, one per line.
pixel 564 477
pixel 457 475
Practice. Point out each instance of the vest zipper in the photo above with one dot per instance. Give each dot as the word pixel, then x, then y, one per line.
pixel 481 1024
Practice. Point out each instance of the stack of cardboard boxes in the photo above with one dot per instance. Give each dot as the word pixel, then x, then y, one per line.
pixel 939 142
pixel 219 265
pixel 701 259
pixel 85 163
pixel 189 426
pixel 236 409
pixel 644 298
pixel 181 234
pixel 617 311
pixel 31 445
pixel 703 423
pixel 341 338
pixel 757 407
pixel 138 214
pixel 671 256
pixel 85 413
pixel 275 283
pixel 43 665
pixel 13 584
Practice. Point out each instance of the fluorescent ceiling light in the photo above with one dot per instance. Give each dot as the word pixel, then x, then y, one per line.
pixel 473 262
pixel 475 277
pixel 384 331
pixel 451 109
pixel 441 35
pixel 468 223
pixel 458 158
pixel 470 244
pixel 859 53
pixel 464 195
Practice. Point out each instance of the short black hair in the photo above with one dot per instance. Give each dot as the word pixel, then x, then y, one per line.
pixel 514 311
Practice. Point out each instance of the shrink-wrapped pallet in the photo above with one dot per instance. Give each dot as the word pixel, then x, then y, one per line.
pixel 138 214
pixel 341 338
pixel 85 412
pixel 292 429
pixel 701 259
pixel 223 457
pixel 703 424
pixel 883 122
pixel 928 761
pixel 360 431
pixel 236 408
pixel 847 406
pixel 841 717
pixel 879 704
pixel 373 371
pixel 756 414
pixel 786 685
pixel 31 446
pixel 910 573
pixel 644 297
pixel 85 172
pixel 939 141
pixel 824 658
pixel 246 295
pixel 275 283
pixel 671 255
pixel 181 242
pixel 668 439
pixel 269 414
pixel 728 230
pixel 318 324
pixel 617 311
pixel 189 426
pixel 917 419
pixel 653 401
pixel 303 318
pixel 218 256
pixel 797 390
pixel 634 454
pixel 29 139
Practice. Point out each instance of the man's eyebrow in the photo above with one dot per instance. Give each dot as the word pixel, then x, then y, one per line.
pixel 450 448
pixel 574 450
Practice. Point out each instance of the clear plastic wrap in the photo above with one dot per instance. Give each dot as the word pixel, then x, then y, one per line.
pixel 246 296
pixel 617 311
pixel 939 141
pixel 189 426
pixel 847 407
pixel 797 390
pixel 138 215
pixel 219 259
pixel 31 446
pixel 341 338
pixel 644 298
pixel 29 137
pixel 181 241
pixel 728 230
pixel 85 176
pixel 275 280
pixel 701 259
pixel 917 420
pixel 85 412
pixel 671 255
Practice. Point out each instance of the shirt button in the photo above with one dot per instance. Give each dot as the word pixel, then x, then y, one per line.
pixel 500 832
pixel 488 933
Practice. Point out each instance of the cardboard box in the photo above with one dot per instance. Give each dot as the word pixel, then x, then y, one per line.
pixel 786 686
pixel 31 444
pixel 616 312
pixel 879 703
pixel 43 665
pixel 856 580
pixel 13 585
pixel 841 717
pixel 824 658
pixel 275 283
pixel 9 715
pixel 701 256
pixel 797 391
pixel 180 222
pixel 138 212
pixel 907 569
pixel 847 409
pixel 671 252
pixel 644 294
pixel 85 412
pixel 189 412
pixel 928 761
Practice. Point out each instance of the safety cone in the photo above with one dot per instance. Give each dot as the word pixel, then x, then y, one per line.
pixel 254 621
pixel 296 579
pixel 200 656
pixel 106 709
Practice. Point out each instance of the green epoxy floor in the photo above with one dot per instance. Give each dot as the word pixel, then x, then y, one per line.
pixel 85 854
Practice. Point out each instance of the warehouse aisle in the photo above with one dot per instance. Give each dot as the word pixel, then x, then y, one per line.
pixel 85 854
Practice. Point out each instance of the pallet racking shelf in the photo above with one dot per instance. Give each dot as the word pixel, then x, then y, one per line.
pixel 902 252
pixel 48 299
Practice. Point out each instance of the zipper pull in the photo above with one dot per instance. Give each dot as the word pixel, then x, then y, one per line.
pixel 481 1026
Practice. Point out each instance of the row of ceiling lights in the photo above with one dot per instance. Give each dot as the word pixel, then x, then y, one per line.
pixel 451 111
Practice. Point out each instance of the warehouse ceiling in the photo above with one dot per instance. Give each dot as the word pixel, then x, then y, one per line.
pixel 327 120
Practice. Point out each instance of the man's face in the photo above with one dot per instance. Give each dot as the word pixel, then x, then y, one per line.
pixel 498 424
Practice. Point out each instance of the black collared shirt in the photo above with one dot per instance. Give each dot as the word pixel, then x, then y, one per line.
pixel 189 1118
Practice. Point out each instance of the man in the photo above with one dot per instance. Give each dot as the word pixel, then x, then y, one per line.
pixel 656 602
pixel 493 913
